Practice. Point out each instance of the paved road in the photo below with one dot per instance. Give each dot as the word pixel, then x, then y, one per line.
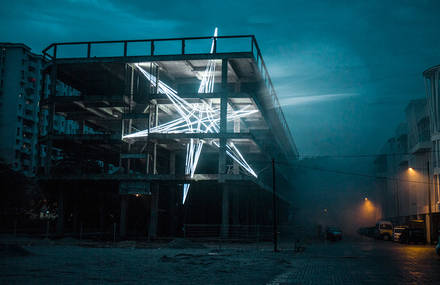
pixel 365 262
pixel 34 261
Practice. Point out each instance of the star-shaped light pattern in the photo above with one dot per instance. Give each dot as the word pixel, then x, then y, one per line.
pixel 195 118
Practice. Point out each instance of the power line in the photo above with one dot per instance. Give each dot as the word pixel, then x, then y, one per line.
pixel 363 155
pixel 355 174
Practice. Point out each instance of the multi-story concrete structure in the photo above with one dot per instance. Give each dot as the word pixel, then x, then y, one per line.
pixel 191 132
pixel 404 169
pixel 20 91
pixel 432 83
pixel 19 96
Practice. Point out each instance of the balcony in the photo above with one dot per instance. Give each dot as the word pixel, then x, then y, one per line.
pixel 420 147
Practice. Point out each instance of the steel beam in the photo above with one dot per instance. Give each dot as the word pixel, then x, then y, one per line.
pixel 157 136
pixel 214 95
pixel 176 57
pixel 223 120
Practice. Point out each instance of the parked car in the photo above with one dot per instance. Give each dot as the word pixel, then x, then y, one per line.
pixel 406 234
pixel 333 233
pixel 416 235
pixel 399 233
pixel 384 230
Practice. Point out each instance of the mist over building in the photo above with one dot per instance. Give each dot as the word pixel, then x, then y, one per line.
pixel 407 169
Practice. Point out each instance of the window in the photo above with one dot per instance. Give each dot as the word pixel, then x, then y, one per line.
pixel 18 131
pixel 386 227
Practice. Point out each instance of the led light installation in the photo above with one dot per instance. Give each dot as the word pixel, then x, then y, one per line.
pixel 195 118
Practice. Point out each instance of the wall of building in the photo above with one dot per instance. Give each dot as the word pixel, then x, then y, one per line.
pixel 20 77
pixel 404 165
pixel 20 91
pixel 432 82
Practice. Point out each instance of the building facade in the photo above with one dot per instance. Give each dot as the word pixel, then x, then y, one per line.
pixel 190 135
pixel 406 171
pixel 20 77
pixel 432 82
pixel 20 117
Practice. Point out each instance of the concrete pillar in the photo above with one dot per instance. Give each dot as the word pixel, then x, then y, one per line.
pixel 246 210
pixel 154 207
pixel 428 228
pixel 235 192
pixel 225 211
pixel 173 196
pixel 172 163
pixel 235 166
pixel 75 216
pixel 156 123
pixel 223 121
pixel 253 210
pixel 173 210
pixel 123 217
pixel 60 212
pixel 50 118
pixel 235 211
pixel 101 213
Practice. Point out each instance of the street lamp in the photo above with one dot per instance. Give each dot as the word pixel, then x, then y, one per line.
pixel 368 210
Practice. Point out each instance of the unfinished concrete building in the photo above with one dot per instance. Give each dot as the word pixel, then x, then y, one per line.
pixel 183 133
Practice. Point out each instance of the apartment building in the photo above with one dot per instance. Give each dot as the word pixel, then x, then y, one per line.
pixel 432 82
pixel 405 170
pixel 20 92
pixel 20 78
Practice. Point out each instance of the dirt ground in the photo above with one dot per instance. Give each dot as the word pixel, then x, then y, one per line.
pixel 69 261
pixel 358 261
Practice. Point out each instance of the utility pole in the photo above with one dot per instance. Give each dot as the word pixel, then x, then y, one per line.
pixel 274 209
pixel 396 179
pixel 429 204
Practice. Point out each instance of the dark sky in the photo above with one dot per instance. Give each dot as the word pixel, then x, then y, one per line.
pixel 344 70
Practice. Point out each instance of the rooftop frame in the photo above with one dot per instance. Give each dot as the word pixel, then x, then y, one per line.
pixel 51 53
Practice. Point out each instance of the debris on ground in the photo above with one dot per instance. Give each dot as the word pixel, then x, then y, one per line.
pixel 12 250
pixel 181 243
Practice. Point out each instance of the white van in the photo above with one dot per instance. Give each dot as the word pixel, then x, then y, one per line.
pixel 384 230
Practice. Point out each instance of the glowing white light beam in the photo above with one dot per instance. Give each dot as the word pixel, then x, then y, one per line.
pixel 195 118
